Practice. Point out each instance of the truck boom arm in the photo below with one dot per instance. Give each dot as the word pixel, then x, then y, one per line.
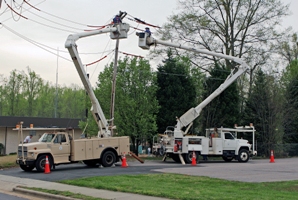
pixel 187 118
pixel 118 31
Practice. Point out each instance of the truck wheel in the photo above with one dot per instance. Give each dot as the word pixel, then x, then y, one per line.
pixel 27 168
pixel 41 161
pixel 227 159
pixel 108 159
pixel 243 155
pixel 188 156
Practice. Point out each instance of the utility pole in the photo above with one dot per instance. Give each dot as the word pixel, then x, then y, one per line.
pixel 56 97
pixel 114 87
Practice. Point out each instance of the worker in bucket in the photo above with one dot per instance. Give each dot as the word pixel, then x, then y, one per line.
pixel 117 19
pixel 147 30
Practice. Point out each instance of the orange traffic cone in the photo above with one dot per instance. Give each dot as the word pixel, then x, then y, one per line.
pixel 124 163
pixel 272 157
pixel 193 160
pixel 47 166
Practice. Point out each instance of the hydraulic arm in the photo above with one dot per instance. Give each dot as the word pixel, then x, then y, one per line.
pixel 117 31
pixel 145 41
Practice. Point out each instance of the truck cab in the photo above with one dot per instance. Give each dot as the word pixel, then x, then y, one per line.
pixel 224 142
pixel 54 144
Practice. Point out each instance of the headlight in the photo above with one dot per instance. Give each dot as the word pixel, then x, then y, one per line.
pixel 32 154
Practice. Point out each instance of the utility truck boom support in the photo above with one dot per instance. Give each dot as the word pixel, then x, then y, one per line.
pixel 119 31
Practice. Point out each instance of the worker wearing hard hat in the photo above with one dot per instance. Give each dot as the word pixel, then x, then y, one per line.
pixel 117 19
pixel 147 30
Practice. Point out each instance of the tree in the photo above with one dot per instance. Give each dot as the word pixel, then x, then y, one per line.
pixel 71 102
pixel 13 89
pixel 135 103
pixel 176 93
pixel 46 101
pixel 224 109
pixel 32 87
pixel 136 113
pixel 242 29
pixel 263 109
pixel 288 47
pixel 3 102
pixel 28 95
pixel 290 121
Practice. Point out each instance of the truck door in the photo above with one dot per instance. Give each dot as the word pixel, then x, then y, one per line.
pixel 61 148
pixel 229 142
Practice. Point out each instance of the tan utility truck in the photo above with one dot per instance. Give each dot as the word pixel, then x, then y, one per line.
pixel 61 148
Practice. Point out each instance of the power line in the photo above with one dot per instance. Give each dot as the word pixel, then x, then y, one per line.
pixel 33 42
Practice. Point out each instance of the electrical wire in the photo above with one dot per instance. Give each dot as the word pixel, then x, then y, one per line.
pixel 61 17
pixel 129 54
pixel 25 10
pixel 101 56
pixel 142 22
pixel 14 12
pixel 57 23
pixel 33 42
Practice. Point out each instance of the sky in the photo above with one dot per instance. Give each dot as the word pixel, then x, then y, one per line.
pixel 36 38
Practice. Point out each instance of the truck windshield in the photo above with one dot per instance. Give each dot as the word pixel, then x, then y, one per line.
pixel 46 137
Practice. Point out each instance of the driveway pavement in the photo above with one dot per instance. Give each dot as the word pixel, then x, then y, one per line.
pixel 252 171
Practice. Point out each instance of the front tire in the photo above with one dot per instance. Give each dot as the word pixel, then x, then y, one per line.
pixel 27 168
pixel 41 161
pixel 108 159
pixel 243 155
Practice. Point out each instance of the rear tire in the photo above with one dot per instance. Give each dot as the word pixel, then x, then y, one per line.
pixel 27 168
pixel 243 155
pixel 108 159
pixel 188 156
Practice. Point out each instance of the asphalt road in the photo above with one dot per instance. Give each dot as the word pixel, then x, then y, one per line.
pixel 10 197
pixel 73 171
pixel 252 171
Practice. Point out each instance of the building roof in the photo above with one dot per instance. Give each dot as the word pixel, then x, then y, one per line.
pixel 8 121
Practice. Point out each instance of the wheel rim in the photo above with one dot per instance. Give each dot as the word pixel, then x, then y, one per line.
pixel 243 156
pixel 190 156
pixel 42 163
pixel 109 159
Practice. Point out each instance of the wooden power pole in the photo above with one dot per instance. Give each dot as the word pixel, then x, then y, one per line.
pixel 114 86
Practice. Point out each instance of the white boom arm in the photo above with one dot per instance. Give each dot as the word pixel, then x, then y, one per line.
pixel 187 118
pixel 118 31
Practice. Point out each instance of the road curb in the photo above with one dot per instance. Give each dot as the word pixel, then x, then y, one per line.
pixel 41 194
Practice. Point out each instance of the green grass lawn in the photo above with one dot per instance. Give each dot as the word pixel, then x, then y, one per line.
pixel 8 161
pixel 186 187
